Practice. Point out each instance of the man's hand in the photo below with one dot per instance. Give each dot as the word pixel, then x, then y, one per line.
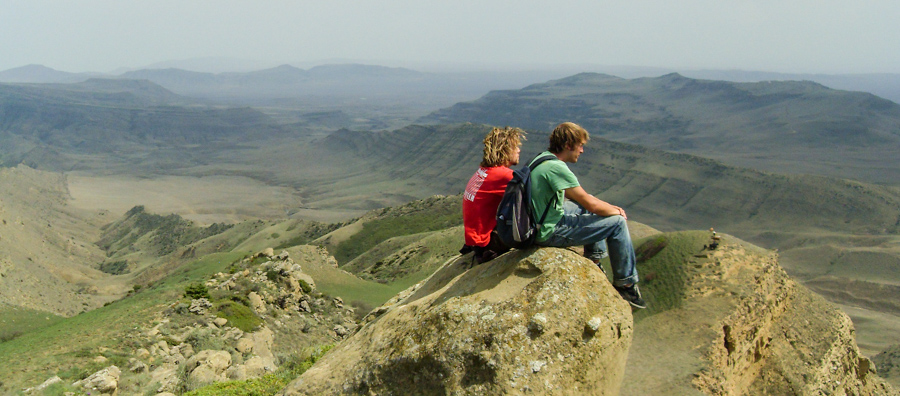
pixel 621 212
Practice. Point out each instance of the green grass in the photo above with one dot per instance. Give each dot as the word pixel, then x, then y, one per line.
pixel 663 265
pixel 380 230
pixel 66 346
pixel 268 384
pixel 16 321
pixel 238 315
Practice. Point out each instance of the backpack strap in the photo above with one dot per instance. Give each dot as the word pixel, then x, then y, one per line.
pixel 540 160
pixel 534 164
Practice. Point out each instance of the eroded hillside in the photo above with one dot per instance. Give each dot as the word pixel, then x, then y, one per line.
pixel 47 253
pixel 780 126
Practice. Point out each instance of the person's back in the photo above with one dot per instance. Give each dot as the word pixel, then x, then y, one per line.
pixel 575 217
pixel 485 190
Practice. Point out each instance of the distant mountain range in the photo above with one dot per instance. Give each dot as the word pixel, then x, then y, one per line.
pixel 785 126
pixel 48 125
pixel 341 79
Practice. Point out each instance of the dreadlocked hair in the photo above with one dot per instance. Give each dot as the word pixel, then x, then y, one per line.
pixel 499 145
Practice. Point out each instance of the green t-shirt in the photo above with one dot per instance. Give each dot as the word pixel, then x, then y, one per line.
pixel 551 178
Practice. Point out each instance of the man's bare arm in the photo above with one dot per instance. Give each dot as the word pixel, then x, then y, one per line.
pixel 592 203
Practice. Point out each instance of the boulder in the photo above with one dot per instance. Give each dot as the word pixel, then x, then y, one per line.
pixel 202 376
pixel 218 361
pixel 199 306
pixel 257 367
pixel 38 389
pixel 531 321
pixel 105 381
pixel 257 303
pixel 166 376
pixel 206 367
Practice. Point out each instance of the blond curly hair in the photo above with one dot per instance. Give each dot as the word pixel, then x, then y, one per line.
pixel 499 146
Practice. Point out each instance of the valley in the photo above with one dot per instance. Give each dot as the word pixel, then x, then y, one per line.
pixel 378 199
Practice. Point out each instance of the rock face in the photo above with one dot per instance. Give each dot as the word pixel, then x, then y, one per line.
pixel 783 339
pixel 105 381
pixel 534 321
pixel 742 326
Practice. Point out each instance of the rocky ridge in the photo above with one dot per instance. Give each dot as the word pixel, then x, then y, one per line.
pixel 250 320
pixel 546 321
pixel 744 327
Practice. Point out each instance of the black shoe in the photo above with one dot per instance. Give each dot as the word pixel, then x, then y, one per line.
pixel 633 295
pixel 603 254
pixel 597 263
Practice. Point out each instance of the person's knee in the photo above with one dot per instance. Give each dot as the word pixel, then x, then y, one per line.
pixel 620 224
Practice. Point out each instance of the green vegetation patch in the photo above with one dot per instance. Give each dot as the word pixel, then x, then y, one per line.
pixel 431 216
pixel 308 232
pixel 118 267
pixel 16 321
pixel 196 290
pixel 69 344
pixel 238 315
pixel 163 234
pixel 664 265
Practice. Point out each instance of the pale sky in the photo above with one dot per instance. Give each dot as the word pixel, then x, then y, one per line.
pixel 789 36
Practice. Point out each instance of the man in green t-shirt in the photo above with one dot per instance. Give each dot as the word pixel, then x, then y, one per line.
pixel 575 217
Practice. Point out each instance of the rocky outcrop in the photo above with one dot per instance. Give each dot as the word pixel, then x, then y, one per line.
pixel 534 321
pixel 104 382
pixel 191 343
pixel 742 326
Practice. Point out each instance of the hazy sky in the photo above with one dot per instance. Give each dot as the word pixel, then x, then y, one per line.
pixel 819 36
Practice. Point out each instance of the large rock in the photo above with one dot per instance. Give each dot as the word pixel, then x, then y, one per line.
pixel 105 381
pixel 206 367
pixel 541 321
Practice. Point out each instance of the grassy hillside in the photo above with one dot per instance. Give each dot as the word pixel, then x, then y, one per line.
pixel 662 189
pixel 67 347
pixel 783 126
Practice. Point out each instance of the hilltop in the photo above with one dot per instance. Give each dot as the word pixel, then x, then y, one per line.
pixel 725 317
pixel 721 321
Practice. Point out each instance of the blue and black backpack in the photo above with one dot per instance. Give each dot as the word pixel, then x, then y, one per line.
pixel 516 224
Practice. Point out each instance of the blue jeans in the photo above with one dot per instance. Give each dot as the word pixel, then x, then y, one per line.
pixel 580 227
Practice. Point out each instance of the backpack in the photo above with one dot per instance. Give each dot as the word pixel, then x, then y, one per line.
pixel 516 224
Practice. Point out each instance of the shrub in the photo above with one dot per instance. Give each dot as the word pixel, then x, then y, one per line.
pixel 305 286
pixel 196 290
pixel 115 267
pixel 273 275
pixel 204 338
pixel 9 335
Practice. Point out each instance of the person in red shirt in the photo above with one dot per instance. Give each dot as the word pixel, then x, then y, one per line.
pixel 485 190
